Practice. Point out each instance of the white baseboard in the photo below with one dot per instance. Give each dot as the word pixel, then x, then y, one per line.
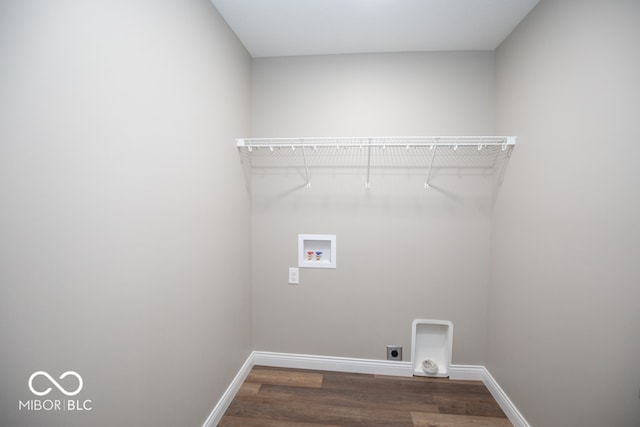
pixel 466 372
pixel 503 400
pixel 331 363
pixel 216 415
pixel 360 366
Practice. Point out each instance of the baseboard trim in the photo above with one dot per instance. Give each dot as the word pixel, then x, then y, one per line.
pixel 359 366
pixel 218 411
pixel 466 372
pixel 503 400
pixel 331 363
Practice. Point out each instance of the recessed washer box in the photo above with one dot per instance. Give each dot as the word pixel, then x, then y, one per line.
pixel 317 250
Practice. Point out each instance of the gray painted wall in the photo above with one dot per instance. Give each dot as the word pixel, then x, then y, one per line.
pixel 403 253
pixel 124 248
pixel 564 315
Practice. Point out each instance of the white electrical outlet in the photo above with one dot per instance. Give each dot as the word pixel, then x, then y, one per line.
pixel 294 275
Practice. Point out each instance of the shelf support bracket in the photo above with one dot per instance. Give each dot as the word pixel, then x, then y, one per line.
pixel 367 184
pixel 433 155
pixel 306 169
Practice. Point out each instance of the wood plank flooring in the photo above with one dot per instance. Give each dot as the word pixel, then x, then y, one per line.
pixel 279 397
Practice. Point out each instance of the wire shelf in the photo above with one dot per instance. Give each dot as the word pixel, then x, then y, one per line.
pixel 423 152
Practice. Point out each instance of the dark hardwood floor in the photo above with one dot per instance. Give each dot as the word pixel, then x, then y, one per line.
pixel 278 397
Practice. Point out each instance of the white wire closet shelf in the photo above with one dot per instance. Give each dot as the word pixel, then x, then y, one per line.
pixel 369 153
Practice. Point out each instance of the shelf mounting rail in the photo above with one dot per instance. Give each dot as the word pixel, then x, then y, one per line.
pixel 408 141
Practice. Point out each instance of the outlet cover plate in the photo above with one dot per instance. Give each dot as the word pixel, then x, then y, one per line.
pixel 394 352
pixel 294 275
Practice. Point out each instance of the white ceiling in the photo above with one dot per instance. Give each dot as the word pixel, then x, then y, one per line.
pixel 320 27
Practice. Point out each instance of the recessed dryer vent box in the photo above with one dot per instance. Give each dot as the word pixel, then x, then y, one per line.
pixel 317 250
pixel 432 342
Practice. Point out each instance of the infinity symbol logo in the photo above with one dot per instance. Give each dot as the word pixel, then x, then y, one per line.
pixel 55 383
